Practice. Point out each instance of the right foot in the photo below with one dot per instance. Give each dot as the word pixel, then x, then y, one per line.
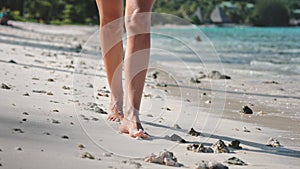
pixel 134 129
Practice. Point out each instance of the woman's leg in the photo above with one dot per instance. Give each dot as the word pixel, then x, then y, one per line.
pixel 111 30
pixel 137 22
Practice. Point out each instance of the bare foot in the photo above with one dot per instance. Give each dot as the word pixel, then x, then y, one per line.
pixel 134 129
pixel 115 114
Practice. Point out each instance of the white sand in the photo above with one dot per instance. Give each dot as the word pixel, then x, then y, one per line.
pixel 42 52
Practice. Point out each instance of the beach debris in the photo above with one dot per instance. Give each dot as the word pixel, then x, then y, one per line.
pixel 210 165
pixel 193 132
pixel 161 84
pixel 270 82
pixel 39 91
pixel 258 129
pixel 25 113
pixel 50 80
pixel 78 48
pixel 26 94
pixel 168 109
pixel 19 148
pixel 217 75
pixel 272 142
pixel 235 161
pixel 155 75
pixel 199 148
pixel 195 80
pixel 220 147
pixel 18 130
pixel 5 86
pixel 208 101
pixel 65 137
pixel 176 138
pixel 176 126
pixel 94 107
pixel 66 88
pixel 198 39
pixel 12 61
pixel 246 130
pixel 35 78
pixel 55 121
pixel 87 155
pixel 164 158
pixel 24 119
pixel 235 144
pixel 103 94
pixel 107 154
pixel 81 146
pixel 55 110
pixel 47 133
pixel 246 110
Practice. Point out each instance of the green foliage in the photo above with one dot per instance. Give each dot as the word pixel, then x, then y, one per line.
pixel 265 13
pixel 271 13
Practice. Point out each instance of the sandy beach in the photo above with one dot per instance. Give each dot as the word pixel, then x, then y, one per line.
pixel 54 103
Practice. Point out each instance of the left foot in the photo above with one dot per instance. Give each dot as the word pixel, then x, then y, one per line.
pixel 134 129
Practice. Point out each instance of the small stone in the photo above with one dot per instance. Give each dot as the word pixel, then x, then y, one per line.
pixel 149 115
pixel 208 101
pixel 272 142
pixel 87 155
pixel 26 94
pixel 50 80
pixel 168 109
pixel 164 158
pixel 66 88
pixel 246 110
pixel 235 161
pixel 81 146
pixel 217 75
pixel 5 86
pixel 193 132
pixel 55 110
pixel 155 75
pixel 198 39
pixel 39 91
pixel 25 113
pixel 107 154
pixel 246 130
pixel 195 80
pixel 19 148
pixel 12 61
pixel 176 138
pixel 103 94
pixel 18 130
pixel 210 165
pixel 55 121
pixel 235 144
pixel 176 126
pixel 47 133
pixel 50 93
pixel 64 137
pixel 271 82
pixel 24 119
pixel 35 78
pixel 199 148
pixel 99 110
pixel 161 84
pixel 220 147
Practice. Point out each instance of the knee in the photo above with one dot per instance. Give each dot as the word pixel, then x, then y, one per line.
pixel 138 21
pixel 111 25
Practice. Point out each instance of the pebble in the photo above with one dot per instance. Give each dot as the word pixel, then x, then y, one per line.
pixel 19 148
pixel 5 86
pixel 87 155
pixel 235 144
pixel 210 165
pixel 25 113
pixel 81 146
pixel 235 161
pixel 50 80
pixel 217 75
pixel 39 91
pixel 246 130
pixel 272 142
pixel 176 138
pixel 176 126
pixel 26 94
pixel 220 147
pixel 66 88
pixel 18 130
pixel 55 121
pixel 193 132
pixel 199 148
pixel 12 61
pixel 55 110
pixel 64 137
pixel 165 158
pixel 246 110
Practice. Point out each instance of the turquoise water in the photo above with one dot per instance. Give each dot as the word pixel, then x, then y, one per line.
pixel 269 49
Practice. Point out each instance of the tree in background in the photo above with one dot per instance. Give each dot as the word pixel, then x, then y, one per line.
pixel 271 13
